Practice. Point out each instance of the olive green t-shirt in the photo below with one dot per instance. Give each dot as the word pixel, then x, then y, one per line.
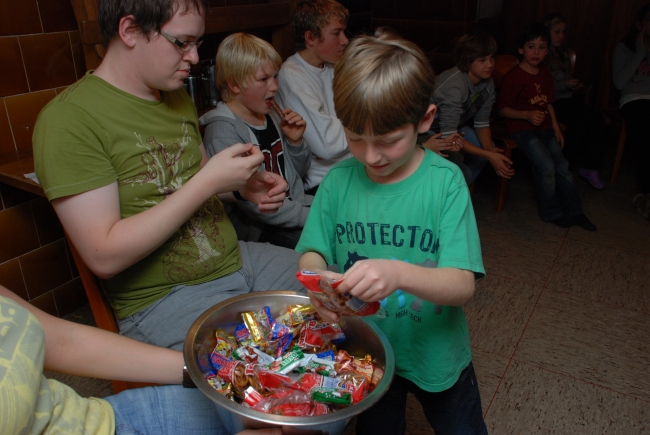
pixel 94 134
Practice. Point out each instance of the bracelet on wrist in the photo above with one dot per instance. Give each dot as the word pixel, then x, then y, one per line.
pixel 187 379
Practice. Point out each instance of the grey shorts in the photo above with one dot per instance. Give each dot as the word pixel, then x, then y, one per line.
pixel 166 321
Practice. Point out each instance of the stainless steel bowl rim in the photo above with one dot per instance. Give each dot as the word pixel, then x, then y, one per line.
pixel 198 377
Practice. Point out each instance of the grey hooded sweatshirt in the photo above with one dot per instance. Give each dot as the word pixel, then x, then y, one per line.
pixel 224 129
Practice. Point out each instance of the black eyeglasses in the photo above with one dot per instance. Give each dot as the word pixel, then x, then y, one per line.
pixel 182 46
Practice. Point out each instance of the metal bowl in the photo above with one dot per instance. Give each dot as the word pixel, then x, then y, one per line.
pixel 361 338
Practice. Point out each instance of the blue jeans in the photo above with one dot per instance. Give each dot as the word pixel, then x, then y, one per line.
pixel 456 411
pixel 469 164
pixel 556 193
pixel 235 424
pixel 166 410
pixel 166 322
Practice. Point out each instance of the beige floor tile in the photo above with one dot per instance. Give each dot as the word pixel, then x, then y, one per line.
pixel 532 400
pixel 520 213
pixel 498 313
pixel 621 229
pixel 522 255
pixel 603 274
pixel 489 369
pixel 591 341
pixel 618 195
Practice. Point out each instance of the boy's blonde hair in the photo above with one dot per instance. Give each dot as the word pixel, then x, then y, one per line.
pixel 239 56
pixel 382 83
pixel 314 16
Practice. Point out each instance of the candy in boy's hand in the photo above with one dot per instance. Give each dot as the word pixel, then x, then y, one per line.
pixel 324 289
pixel 277 109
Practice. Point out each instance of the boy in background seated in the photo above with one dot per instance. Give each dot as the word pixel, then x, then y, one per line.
pixel 247 71
pixel 525 99
pixel 398 221
pixel 464 96
pixel 305 81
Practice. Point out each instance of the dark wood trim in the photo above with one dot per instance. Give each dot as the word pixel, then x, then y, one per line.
pixel 13 175
pixel 222 19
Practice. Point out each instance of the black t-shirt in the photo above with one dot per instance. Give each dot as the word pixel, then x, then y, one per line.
pixel 271 146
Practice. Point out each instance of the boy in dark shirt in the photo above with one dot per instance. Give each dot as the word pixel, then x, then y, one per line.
pixel 525 99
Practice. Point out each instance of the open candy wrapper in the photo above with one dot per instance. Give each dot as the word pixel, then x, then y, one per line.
pixel 324 289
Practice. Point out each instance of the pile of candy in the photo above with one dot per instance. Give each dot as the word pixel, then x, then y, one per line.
pixel 287 365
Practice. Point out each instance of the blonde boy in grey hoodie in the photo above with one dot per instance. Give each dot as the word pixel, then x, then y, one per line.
pixel 247 69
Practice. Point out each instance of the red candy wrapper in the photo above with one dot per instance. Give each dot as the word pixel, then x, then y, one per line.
pixel 324 289
pixel 315 335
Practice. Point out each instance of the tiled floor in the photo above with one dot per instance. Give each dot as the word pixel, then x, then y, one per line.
pixel 560 326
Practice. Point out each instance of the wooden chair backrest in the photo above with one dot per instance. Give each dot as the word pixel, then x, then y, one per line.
pixel 102 311
pixel 502 64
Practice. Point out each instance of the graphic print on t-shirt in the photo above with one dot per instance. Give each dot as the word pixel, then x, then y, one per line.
pixel 197 250
pixel 416 304
pixel 539 99
pixel 270 144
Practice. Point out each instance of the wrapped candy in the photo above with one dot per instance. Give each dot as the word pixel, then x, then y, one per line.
pixel 287 367
pixel 324 289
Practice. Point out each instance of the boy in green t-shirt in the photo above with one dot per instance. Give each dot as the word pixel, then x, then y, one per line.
pixel 398 222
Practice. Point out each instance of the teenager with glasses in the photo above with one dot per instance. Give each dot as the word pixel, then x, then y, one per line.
pixel 120 157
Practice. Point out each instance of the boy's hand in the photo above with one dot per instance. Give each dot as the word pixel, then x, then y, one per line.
pixel 573 84
pixel 266 189
pixel 233 167
pixel 501 164
pixel 439 146
pixel 371 280
pixel 536 117
pixel 293 126
pixel 325 314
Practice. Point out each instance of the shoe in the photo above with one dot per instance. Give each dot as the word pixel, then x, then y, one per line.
pixel 592 177
pixel 562 222
pixel 642 204
pixel 583 222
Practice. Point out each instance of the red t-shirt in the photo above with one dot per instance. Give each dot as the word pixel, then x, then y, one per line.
pixel 521 90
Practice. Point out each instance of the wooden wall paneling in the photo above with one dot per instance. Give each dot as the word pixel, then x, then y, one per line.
pixel 84 11
pixel 518 15
pixel 427 10
pixel 218 20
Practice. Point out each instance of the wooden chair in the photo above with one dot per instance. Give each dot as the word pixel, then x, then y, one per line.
pixel 502 64
pixel 102 311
